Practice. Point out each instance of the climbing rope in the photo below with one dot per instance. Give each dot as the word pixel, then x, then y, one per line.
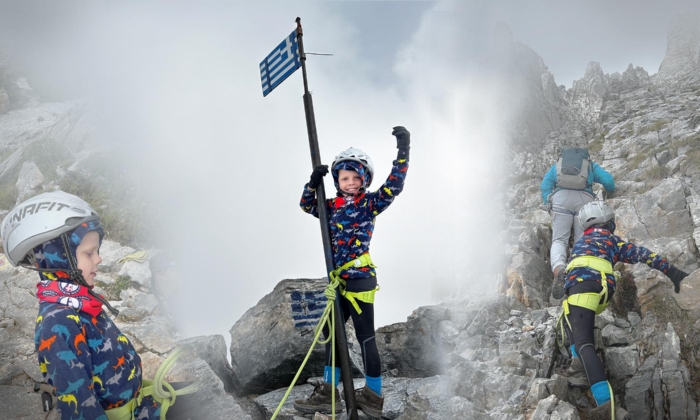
pixel 155 388
pixel 328 317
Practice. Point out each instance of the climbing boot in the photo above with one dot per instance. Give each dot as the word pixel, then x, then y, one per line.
pixel 369 402
pixel 602 412
pixel 320 400
pixel 558 282
pixel 575 374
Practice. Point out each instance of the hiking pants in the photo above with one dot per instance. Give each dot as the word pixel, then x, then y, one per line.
pixel 581 333
pixel 364 331
pixel 565 207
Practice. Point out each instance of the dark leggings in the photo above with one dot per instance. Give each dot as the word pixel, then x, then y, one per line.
pixel 364 331
pixel 582 321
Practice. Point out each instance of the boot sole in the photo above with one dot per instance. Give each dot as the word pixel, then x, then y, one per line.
pixel 372 414
pixel 323 409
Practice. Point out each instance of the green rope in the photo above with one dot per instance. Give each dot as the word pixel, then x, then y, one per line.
pixel 328 317
pixel 166 397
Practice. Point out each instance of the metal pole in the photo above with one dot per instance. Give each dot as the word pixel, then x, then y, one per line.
pixel 340 337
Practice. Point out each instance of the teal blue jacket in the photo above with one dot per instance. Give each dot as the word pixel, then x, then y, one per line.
pixel 595 174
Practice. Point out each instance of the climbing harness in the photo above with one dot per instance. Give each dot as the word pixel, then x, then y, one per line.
pixel 363 260
pixel 158 388
pixel 591 300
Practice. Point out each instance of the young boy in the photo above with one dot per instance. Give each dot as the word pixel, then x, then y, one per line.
pixel 351 215
pixel 91 365
pixel 592 260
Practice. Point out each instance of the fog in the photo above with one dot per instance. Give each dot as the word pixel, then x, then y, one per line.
pixel 177 85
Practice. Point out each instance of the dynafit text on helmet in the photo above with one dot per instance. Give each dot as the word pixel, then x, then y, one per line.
pixel 589 286
pixel 88 364
pixel 352 217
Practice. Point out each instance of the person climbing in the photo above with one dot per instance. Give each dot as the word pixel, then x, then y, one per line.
pixel 352 213
pixel 566 187
pixel 93 368
pixel 589 286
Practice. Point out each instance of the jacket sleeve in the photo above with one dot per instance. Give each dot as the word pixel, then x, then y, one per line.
pixel 66 367
pixel 603 177
pixel 632 254
pixel 548 183
pixel 384 196
pixel 309 201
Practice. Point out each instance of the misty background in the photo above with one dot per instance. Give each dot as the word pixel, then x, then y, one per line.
pixel 176 86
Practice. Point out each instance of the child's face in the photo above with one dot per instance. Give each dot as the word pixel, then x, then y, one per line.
pixel 87 256
pixel 349 181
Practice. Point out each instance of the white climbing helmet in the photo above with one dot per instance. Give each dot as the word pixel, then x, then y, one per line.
pixel 595 213
pixel 355 155
pixel 40 219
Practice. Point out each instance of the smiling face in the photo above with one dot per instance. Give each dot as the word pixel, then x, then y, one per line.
pixel 349 182
pixel 88 257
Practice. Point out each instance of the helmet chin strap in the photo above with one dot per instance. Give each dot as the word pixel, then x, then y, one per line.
pixel 76 275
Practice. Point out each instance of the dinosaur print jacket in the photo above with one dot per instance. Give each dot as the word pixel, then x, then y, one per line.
pixel 598 242
pixel 352 220
pixel 91 365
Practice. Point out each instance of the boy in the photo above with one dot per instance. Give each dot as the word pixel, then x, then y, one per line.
pixel 351 215
pixel 93 368
pixel 592 260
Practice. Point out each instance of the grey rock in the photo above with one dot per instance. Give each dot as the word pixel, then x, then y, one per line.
pixel 210 401
pixel 20 403
pixel 564 411
pixel 622 362
pixel 143 303
pixel 639 396
pixel 613 335
pixel 212 349
pixel 111 252
pixel 137 271
pixel 30 178
pixel 284 320
pixel 417 347
pixel 9 164
pixel 680 64
pixel 545 407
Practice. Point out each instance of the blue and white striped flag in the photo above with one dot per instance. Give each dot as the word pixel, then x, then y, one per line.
pixel 280 64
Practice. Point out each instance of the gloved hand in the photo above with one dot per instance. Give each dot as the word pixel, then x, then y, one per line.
pixel 317 176
pixel 403 141
pixel 676 276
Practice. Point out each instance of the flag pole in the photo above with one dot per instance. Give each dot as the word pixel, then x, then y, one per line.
pixel 340 337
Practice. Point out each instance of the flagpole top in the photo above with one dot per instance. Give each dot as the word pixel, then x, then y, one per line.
pixel 299 30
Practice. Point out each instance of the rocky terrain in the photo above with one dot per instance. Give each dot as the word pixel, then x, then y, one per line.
pixel 493 358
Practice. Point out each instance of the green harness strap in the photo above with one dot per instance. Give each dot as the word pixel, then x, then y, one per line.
pixel 589 300
pixel 166 397
pixel 363 260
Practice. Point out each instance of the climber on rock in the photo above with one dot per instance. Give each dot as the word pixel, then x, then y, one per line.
pixel 566 188
pixel 589 286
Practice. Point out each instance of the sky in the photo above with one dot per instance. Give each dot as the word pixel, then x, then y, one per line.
pixel 177 84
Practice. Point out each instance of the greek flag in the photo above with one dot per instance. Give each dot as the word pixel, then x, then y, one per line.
pixel 280 64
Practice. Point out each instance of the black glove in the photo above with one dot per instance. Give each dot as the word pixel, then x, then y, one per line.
pixel 403 141
pixel 317 176
pixel 676 276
